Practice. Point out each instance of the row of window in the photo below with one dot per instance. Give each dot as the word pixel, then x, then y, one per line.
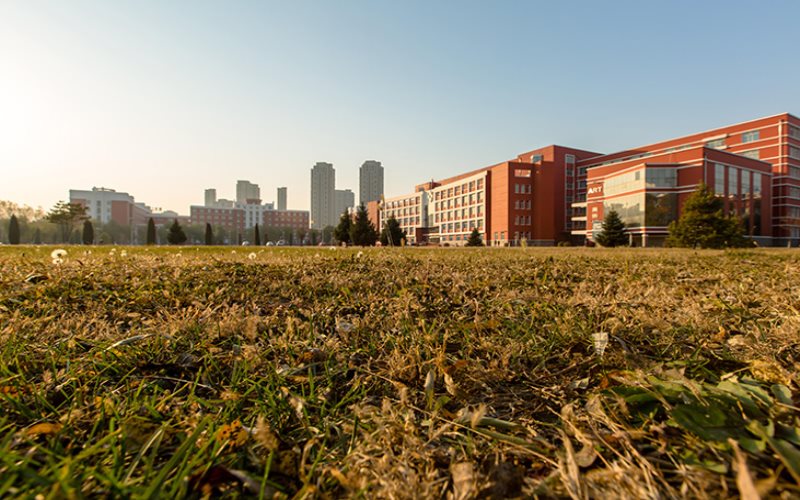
pixel 455 214
pixel 467 187
pixel 403 203
pixel 398 212
pixel 522 204
pixel 738 182
pixel 794 132
pixel 457 202
pixel 522 220
pixel 463 227
pixel 794 152
pixel 523 189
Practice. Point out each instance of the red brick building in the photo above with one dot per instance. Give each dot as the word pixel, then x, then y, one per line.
pixel 293 219
pixel 228 218
pixel 755 165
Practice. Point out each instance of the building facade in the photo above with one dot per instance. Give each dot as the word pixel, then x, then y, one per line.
pixel 282 198
pixel 247 193
pixel 773 140
pixel 323 202
pixel 345 200
pixel 297 220
pixel 370 182
pixel 210 198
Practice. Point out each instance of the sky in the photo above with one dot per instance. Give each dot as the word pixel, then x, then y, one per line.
pixel 164 98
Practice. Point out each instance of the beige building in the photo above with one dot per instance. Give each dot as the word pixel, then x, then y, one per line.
pixel 323 196
pixel 370 182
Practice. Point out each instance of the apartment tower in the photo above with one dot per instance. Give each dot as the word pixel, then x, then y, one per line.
pixel 370 182
pixel 323 197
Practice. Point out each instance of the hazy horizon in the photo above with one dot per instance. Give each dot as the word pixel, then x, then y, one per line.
pixel 163 100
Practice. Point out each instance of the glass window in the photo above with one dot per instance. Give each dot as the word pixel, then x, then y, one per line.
pixel 716 144
pixel 630 208
pixel 794 131
pixel 746 184
pixel 660 208
pixel 733 182
pixel 629 181
pixel 753 153
pixel 569 159
pixel 661 177
pixel 719 179
pixel 794 152
pixel 750 136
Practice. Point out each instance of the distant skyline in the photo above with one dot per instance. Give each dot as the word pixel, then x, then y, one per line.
pixel 165 99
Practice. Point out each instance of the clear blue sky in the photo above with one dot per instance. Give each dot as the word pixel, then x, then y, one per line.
pixel 164 98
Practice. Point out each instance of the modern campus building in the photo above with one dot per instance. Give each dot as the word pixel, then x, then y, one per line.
pixel 323 197
pixel 556 193
pixel 370 182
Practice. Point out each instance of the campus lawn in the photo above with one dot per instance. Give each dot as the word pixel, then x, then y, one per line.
pixel 222 371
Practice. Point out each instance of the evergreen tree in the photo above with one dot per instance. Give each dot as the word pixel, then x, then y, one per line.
pixel 475 239
pixel 392 234
pixel 37 237
pixel 209 235
pixel 13 230
pixel 363 232
pixel 88 232
pixel 342 231
pixel 151 231
pixel 176 236
pixel 704 224
pixel 256 237
pixel 613 231
pixel 66 216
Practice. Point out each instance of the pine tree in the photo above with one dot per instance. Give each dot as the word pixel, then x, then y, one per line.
pixel 704 224
pixel 88 233
pixel 392 234
pixel 13 230
pixel 363 232
pixel 256 237
pixel 151 231
pixel 613 231
pixel 475 239
pixel 66 216
pixel 209 235
pixel 176 236
pixel 342 231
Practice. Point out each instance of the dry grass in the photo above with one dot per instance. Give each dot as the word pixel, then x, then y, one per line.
pixel 403 373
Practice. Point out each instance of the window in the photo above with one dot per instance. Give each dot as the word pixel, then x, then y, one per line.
pixel 716 144
pixel 536 159
pixel 751 136
pixel 746 184
pixel 794 132
pixel 630 208
pixel 569 159
pixel 719 179
pixel 629 181
pixel 794 152
pixel 661 177
pixel 733 181
pixel 516 188
pixel 522 172
pixel 753 153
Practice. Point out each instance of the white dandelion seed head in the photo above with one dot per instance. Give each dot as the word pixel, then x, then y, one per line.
pixel 360 254
pixel 123 253
pixel 252 256
pixel 57 261
pixel 58 253
pixel 331 248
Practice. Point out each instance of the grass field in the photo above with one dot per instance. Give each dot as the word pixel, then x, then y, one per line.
pixel 399 373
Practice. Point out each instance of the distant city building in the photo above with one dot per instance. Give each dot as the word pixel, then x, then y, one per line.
pixel 323 203
pixel 104 205
pixel 254 212
pixel 211 197
pixel 229 218
pixel 282 198
pixel 345 200
pixel 370 182
pixel 286 219
pixel 247 192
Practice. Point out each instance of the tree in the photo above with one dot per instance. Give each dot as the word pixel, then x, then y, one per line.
pixel 151 231
pixel 475 239
pixel 66 216
pixel 612 233
pixel 209 235
pixel 703 223
pixel 176 236
pixel 363 232
pixel 342 231
pixel 37 237
pixel 88 233
pixel 327 234
pixel 13 230
pixel 256 237
pixel 392 234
